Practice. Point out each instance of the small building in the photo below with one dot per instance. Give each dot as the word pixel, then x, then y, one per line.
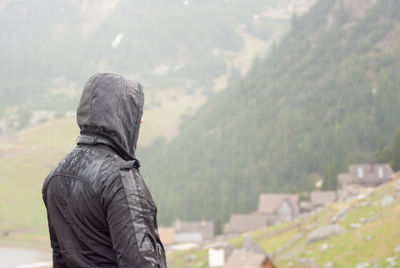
pixel 321 198
pixel 278 207
pixel 251 255
pixel 368 175
pixel 216 257
pixel 193 231
pixel 241 258
pixel 242 223
pixel 167 235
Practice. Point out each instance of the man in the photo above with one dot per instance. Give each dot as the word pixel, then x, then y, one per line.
pixel 100 212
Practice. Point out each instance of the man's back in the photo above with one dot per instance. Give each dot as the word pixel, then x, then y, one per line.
pixel 100 212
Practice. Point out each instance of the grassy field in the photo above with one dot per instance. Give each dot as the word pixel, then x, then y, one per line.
pixel 26 158
pixel 373 242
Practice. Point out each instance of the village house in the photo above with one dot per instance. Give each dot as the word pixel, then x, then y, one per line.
pixel 193 231
pixel 278 207
pixel 368 175
pixel 242 223
pixel 321 198
pixel 250 256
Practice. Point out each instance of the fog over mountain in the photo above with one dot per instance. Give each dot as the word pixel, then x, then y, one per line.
pixel 50 48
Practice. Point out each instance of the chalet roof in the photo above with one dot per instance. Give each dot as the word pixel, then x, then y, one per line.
pixel 166 235
pixel 320 198
pixel 371 174
pixel 206 228
pixel 241 258
pixel 269 203
pixel 241 223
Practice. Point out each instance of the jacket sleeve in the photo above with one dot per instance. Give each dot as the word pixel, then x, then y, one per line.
pixel 131 218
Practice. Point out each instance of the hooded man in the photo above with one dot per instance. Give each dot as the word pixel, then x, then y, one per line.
pixel 100 211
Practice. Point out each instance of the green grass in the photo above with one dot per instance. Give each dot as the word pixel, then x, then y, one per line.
pixel 270 245
pixel 270 230
pixel 197 258
pixel 352 246
pixel 236 242
pixel 31 155
pixel 371 243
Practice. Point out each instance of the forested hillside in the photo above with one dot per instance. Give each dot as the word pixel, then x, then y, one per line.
pixel 391 152
pixel 326 96
pixel 50 48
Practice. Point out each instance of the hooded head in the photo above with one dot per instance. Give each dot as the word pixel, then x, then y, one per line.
pixel 111 106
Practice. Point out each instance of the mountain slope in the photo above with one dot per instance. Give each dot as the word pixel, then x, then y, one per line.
pixel 51 48
pixel 368 236
pixel 326 96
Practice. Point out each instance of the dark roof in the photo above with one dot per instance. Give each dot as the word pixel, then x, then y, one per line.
pixel 241 223
pixel 269 203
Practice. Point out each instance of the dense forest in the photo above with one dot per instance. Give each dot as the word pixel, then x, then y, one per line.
pixel 326 96
pixel 391 152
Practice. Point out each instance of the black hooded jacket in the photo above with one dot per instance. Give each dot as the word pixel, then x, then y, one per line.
pixel 100 211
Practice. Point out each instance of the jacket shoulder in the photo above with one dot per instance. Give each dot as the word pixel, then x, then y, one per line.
pixel 93 166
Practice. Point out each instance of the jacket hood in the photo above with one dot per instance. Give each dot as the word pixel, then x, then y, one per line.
pixel 111 106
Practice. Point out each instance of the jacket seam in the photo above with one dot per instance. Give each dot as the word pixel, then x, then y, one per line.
pixel 136 127
pixel 122 177
pixel 130 212
pixel 122 87
pixel 123 120
pixel 77 178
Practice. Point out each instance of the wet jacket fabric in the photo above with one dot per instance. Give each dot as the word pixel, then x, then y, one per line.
pixel 100 211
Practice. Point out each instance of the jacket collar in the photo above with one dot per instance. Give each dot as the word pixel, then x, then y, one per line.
pixel 96 140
